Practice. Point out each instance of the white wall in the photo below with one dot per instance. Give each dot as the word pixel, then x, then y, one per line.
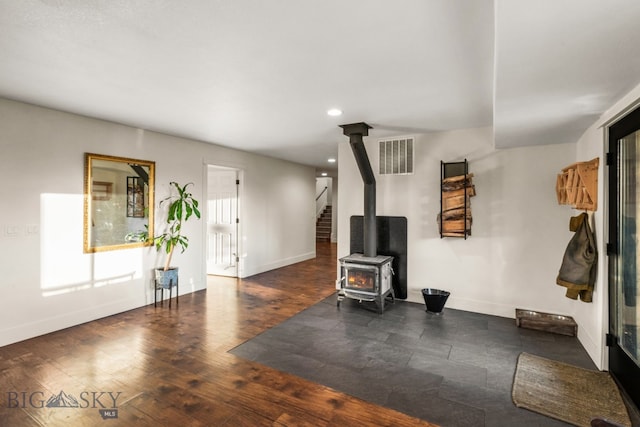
pixel 519 230
pixel 49 284
pixel 277 210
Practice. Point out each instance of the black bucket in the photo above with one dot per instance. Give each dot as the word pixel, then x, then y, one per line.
pixel 435 299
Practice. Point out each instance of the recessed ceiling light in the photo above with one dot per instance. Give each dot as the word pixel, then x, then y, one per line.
pixel 334 112
pixel 331 160
pixel 324 174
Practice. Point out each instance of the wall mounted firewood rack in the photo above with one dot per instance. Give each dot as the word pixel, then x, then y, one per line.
pixel 456 190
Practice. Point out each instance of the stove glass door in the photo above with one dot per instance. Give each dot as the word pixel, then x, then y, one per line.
pixel 361 278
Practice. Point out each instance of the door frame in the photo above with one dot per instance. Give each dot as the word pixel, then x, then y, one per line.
pixel 621 366
pixel 239 225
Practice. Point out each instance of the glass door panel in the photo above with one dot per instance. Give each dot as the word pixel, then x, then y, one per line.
pixel 626 264
pixel 623 160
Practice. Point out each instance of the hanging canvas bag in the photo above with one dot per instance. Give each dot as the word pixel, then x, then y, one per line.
pixel 578 269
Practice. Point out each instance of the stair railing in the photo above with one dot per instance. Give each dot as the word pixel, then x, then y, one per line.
pixel 321 201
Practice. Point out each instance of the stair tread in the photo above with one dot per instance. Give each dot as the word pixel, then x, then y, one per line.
pixel 323 225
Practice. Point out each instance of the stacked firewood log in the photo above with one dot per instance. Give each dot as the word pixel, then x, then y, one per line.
pixel 455 218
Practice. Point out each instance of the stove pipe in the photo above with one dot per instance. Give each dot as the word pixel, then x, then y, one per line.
pixel 355 132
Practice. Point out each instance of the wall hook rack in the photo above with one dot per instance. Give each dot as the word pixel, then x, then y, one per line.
pixel 577 185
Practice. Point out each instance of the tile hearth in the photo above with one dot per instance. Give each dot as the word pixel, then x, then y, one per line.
pixel 454 370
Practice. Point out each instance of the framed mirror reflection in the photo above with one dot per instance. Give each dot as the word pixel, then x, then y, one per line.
pixel 118 202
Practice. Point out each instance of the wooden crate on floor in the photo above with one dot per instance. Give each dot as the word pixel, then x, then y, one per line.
pixel 555 323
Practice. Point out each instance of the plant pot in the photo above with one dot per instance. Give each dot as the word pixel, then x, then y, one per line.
pixel 166 278
pixel 435 299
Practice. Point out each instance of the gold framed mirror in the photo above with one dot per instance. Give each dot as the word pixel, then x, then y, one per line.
pixel 118 203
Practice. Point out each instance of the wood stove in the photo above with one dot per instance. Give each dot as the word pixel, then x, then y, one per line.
pixel 366 278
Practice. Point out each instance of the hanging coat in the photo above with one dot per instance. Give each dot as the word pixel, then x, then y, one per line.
pixel 578 269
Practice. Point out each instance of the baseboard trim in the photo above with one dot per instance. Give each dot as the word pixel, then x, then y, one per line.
pixel 277 264
pixel 475 306
pixel 55 323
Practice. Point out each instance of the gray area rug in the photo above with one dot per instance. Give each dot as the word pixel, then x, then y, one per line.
pixel 566 392
pixel 455 369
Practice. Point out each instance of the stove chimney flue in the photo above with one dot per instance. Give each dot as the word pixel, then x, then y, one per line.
pixel 355 132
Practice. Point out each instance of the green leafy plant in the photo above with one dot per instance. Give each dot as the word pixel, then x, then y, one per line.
pixel 182 206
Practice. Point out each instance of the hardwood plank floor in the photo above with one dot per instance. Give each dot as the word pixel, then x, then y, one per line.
pixel 168 367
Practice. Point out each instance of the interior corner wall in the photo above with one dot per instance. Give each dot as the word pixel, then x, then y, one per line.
pixel 519 231
pixel 41 223
pixel 591 316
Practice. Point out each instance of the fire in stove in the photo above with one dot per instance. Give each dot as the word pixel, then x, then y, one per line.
pixel 361 280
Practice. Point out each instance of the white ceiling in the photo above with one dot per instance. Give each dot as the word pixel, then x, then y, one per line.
pixel 260 75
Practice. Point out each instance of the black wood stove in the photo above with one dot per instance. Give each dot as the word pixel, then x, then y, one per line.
pixel 367 276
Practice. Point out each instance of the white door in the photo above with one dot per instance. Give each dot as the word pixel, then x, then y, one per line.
pixel 222 222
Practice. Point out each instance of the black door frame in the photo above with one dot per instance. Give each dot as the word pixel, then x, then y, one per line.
pixel 621 366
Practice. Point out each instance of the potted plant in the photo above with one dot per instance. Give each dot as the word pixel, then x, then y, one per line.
pixel 181 207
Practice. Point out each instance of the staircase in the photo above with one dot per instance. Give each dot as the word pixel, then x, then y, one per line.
pixel 323 226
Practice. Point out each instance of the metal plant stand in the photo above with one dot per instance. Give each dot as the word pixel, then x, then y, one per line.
pixel 162 289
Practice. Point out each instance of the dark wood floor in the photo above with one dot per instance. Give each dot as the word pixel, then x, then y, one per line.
pixel 171 367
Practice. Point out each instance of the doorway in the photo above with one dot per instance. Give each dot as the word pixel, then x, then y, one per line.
pixel 325 213
pixel 624 212
pixel 222 221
